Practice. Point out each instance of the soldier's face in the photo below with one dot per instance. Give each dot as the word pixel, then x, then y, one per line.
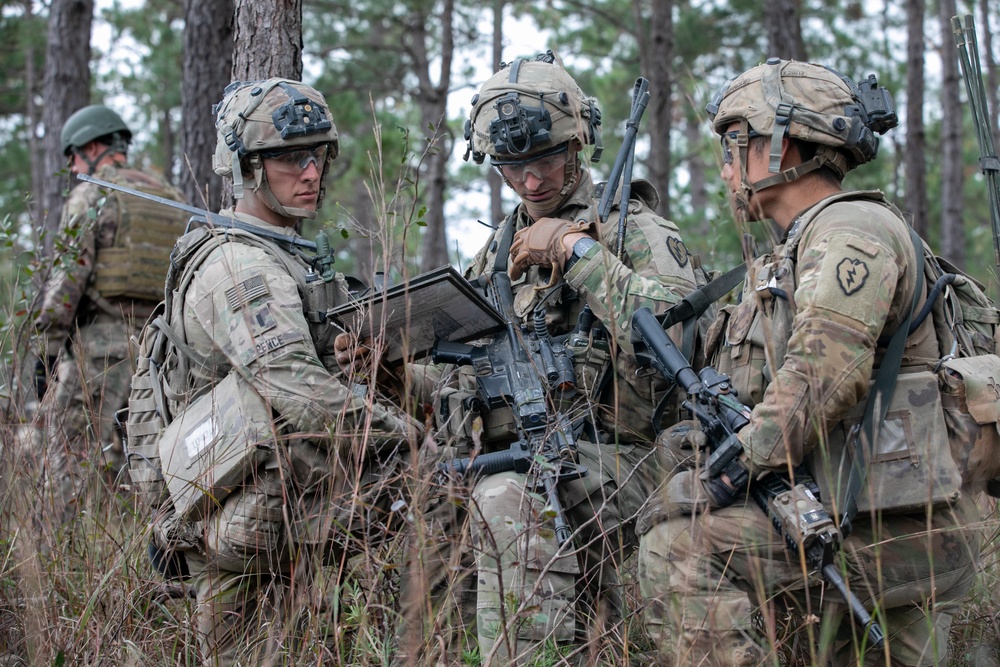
pixel 746 203
pixel 295 185
pixel 538 182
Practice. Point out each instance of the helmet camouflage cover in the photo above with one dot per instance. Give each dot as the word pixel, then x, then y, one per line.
pixel 265 116
pixel 811 103
pixel 529 106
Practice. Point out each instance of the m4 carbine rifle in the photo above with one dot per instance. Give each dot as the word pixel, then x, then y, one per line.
pixel 794 510
pixel 509 372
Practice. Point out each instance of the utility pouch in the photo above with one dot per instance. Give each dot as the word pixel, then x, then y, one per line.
pixel 910 465
pixel 213 445
pixel 591 361
pixel 971 397
pixel 457 414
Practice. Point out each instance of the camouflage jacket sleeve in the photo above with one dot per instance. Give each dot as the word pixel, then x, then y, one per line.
pixel 656 271
pixel 74 252
pixel 244 305
pixel 854 277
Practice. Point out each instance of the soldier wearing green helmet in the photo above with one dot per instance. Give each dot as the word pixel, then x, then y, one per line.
pixel 100 291
pixel 812 348
pixel 250 347
pixel 532 122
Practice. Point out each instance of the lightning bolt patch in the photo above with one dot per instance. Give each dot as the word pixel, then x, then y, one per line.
pixel 851 275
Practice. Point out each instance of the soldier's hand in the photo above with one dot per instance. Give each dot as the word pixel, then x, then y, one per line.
pixel 686 492
pixel 353 357
pixel 541 244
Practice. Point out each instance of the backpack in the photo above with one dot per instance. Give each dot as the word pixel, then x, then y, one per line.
pixel 968 330
pixel 164 355
pixel 145 232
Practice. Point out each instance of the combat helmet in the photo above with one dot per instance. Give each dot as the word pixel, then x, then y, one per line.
pixel 260 116
pixel 809 102
pixel 93 122
pixel 527 107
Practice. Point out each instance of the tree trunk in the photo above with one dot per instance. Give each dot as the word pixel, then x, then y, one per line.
pixel 915 164
pixel 697 175
pixel 433 100
pixel 784 29
pixel 492 177
pixel 65 88
pixel 33 115
pixel 952 227
pixel 366 246
pixel 659 66
pixel 208 62
pixel 268 40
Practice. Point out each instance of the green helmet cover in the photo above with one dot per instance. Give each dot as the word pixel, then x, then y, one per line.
pixel 89 123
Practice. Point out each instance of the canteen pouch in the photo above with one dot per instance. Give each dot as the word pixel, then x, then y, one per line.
pixel 971 397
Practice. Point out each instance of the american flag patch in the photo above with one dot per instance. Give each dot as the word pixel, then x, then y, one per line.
pixel 244 292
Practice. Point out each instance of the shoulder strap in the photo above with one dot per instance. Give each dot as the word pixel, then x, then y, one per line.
pixel 863 436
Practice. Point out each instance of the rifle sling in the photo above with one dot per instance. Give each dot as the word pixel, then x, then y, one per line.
pixel 879 396
pixel 688 310
pixel 694 305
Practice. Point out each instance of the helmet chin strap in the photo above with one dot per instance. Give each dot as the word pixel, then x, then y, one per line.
pixel 825 157
pixel 93 164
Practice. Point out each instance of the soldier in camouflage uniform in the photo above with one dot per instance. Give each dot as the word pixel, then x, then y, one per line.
pixel 532 120
pixel 801 348
pixel 113 254
pixel 247 311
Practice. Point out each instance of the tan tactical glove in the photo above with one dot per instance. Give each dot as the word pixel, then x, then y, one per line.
pixel 687 492
pixel 680 444
pixel 541 245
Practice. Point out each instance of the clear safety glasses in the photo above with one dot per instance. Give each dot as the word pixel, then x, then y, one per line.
pixel 541 167
pixel 729 139
pixel 297 160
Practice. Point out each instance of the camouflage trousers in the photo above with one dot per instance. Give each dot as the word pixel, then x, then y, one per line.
pixel 92 384
pixel 718 586
pixel 262 553
pixel 532 591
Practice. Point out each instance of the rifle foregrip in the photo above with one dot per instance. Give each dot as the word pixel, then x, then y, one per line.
pixel 485 464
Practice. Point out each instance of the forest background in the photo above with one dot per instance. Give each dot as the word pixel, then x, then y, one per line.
pixel 399 77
